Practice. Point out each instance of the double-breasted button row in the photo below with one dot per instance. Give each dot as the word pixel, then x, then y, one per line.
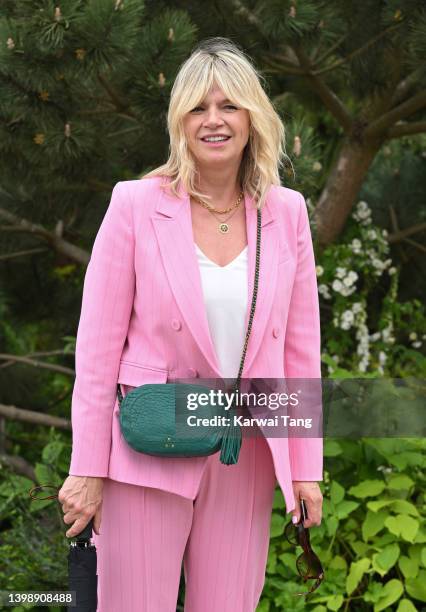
pixel 276 332
pixel 176 324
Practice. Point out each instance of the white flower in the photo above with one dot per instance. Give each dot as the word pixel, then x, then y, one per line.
pixel 350 278
pixel 356 307
pixel 348 315
pixel 340 272
pixel 382 357
pixel 337 285
pixel 377 263
pixel 387 263
pixel 413 336
pixel 417 344
pixel 316 166
pixel 319 270
pixel 362 205
pixel 324 291
pixel 372 234
pixel 385 233
pixel 392 270
pixel 345 291
pixel 362 366
pixel 375 336
pixel 356 245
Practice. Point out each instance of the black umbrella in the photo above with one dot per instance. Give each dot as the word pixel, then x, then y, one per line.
pixel 82 564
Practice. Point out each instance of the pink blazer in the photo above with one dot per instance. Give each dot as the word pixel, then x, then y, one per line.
pixel 143 320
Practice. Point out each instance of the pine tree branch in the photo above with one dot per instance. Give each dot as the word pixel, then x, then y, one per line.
pixel 36 363
pixel 280 66
pixel 38 354
pixel 408 231
pixel 415 244
pixel 327 95
pixel 329 98
pixel 241 10
pixel 55 241
pixel 406 85
pixel 22 253
pixel 31 416
pixel 406 129
pixel 321 59
pixel 356 52
pixel 384 122
pixel 120 104
pixel 19 465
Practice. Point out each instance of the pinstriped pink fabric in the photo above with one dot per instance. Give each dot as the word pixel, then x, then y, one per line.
pixel 223 540
pixel 143 320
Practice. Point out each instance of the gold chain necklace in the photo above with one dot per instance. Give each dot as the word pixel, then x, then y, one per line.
pixel 223 226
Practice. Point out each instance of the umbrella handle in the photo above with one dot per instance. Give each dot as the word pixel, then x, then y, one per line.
pixel 86 534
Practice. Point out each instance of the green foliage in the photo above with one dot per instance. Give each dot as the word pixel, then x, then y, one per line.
pixel 362 334
pixel 371 541
pixel 33 547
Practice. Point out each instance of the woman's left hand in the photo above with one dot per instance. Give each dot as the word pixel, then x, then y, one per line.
pixel 311 493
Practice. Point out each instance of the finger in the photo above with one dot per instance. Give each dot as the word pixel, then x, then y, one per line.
pixel 295 516
pixel 77 527
pixel 313 519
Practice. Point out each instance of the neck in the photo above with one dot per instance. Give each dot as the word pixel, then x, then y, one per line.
pixel 221 185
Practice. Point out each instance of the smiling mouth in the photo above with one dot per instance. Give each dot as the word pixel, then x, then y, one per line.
pixel 222 139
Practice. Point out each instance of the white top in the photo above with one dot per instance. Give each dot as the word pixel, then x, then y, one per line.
pixel 225 290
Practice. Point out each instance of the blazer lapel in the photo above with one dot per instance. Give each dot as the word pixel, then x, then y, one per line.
pixel 173 227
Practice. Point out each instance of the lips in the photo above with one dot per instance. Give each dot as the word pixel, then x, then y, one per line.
pixel 204 138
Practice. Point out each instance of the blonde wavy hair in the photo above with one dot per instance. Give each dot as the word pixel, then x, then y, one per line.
pixel 220 61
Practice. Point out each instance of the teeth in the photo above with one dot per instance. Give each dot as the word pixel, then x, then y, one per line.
pixel 216 138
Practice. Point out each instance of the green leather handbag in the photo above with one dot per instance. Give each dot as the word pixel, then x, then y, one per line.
pixel 154 417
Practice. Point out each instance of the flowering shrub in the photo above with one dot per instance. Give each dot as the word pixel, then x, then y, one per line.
pixel 367 332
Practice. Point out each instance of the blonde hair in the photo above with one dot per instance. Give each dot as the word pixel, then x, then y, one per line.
pixel 219 61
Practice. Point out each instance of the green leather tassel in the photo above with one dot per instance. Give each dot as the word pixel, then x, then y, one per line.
pixel 231 444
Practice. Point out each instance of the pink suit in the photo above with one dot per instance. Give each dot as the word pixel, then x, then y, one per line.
pixel 143 320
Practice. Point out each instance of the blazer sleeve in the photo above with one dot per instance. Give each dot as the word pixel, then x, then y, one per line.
pixel 107 302
pixel 302 353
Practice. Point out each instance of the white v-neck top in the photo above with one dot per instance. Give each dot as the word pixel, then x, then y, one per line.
pixel 225 290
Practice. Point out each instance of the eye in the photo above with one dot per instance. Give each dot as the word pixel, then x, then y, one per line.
pixel 231 106
pixel 196 108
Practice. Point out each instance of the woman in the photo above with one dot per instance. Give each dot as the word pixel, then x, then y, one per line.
pixel 166 295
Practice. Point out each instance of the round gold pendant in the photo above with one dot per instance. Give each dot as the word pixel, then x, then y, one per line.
pixel 224 228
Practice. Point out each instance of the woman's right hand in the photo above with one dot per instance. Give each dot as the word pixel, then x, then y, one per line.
pixel 81 499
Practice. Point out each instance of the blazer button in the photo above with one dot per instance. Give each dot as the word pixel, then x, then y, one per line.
pixel 192 373
pixel 176 324
pixel 276 332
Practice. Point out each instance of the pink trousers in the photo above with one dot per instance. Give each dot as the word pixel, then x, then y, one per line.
pixel 222 537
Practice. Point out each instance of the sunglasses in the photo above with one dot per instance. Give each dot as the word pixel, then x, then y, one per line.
pixel 308 564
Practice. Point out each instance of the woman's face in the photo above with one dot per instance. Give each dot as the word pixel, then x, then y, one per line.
pixel 216 116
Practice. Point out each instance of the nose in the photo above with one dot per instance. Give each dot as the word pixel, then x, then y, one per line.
pixel 213 117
